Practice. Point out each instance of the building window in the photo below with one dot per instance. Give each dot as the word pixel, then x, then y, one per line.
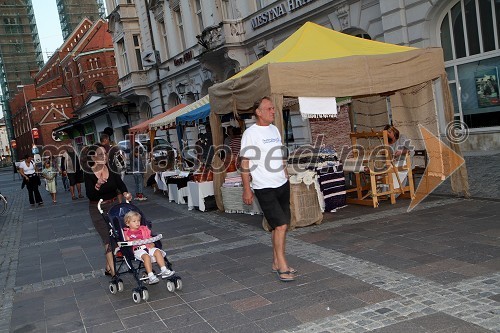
pixel 122 53
pixel 259 4
pixel 94 63
pixel 199 15
pixel 164 42
pixel 12 25
pixel 180 28
pixel 470 38
pixel 137 50
pixel 99 87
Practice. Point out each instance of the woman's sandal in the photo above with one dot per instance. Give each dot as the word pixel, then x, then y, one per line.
pixel 74 198
pixel 107 272
pixel 290 269
pixel 80 196
pixel 285 279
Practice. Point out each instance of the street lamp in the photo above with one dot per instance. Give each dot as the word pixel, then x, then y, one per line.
pixel 28 113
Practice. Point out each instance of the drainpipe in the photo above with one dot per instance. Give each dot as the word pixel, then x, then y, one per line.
pixel 150 26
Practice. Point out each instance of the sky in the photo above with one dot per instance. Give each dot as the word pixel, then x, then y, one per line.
pixel 49 28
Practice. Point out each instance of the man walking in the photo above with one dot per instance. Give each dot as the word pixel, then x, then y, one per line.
pixel 263 166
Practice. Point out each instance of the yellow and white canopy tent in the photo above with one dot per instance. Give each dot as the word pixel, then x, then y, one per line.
pixel 319 62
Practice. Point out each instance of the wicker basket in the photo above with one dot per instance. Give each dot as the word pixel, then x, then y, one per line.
pixel 304 206
pixel 233 202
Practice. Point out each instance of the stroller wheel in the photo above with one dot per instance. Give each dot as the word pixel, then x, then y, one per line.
pixel 170 286
pixel 113 288
pixel 136 296
pixel 178 284
pixel 145 294
pixel 120 285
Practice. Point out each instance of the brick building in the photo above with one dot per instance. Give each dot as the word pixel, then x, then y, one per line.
pixel 82 68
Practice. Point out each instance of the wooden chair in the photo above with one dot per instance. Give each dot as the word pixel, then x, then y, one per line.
pixel 375 171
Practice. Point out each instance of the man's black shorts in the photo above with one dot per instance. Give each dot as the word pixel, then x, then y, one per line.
pixel 275 204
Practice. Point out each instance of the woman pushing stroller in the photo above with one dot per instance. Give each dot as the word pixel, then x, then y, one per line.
pixel 102 183
pixel 147 253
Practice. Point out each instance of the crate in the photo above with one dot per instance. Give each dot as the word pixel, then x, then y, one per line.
pixel 232 197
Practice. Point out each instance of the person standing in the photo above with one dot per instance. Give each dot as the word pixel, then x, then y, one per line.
pixel 71 165
pixel 28 171
pixel 49 173
pixel 264 169
pixel 139 168
pixel 102 183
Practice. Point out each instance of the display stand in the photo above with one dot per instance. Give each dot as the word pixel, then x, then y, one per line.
pixel 197 192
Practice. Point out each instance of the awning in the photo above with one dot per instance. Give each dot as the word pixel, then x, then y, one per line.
pixel 170 119
pixel 144 126
pixel 199 114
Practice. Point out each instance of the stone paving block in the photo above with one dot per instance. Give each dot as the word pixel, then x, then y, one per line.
pixel 112 326
pixel 183 321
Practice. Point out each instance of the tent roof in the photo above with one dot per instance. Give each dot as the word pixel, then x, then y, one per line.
pixel 197 114
pixel 315 42
pixel 144 126
pixel 319 62
pixel 170 118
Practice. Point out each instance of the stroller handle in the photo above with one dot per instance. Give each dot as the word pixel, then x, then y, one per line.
pixel 99 205
pixel 141 241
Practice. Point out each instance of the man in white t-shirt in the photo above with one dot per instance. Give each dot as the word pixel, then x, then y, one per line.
pixel 263 165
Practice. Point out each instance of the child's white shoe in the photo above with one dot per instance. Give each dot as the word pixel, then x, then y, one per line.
pixel 153 279
pixel 167 273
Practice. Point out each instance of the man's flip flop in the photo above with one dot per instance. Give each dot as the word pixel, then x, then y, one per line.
pixel 284 279
pixel 290 269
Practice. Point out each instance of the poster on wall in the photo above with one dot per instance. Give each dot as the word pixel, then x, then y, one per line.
pixel 487 88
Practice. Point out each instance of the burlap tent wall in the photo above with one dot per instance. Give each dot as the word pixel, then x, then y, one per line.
pixel 345 66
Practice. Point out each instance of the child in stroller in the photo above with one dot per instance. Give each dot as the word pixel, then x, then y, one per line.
pixel 147 253
pixel 130 251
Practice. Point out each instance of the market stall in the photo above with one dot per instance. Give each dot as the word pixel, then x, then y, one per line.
pixel 169 121
pixel 318 62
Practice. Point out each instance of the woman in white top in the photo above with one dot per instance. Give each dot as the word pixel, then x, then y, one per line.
pixel 28 170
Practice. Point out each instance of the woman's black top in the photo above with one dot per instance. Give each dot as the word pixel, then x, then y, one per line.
pixel 108 190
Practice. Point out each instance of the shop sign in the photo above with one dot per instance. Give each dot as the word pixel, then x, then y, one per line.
pixel 184 58
pixel 278 12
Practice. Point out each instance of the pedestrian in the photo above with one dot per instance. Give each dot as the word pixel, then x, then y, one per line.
pixel 102 183
pixel 31 180
pixel 50 173
pixel 139 168
pixel 71 164
pixel 264 169
pixel 116 162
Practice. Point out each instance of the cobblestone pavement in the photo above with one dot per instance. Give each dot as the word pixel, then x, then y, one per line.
pixel 436 269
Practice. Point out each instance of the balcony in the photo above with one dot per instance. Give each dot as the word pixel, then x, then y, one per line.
pixel 228 32
pixel 134 80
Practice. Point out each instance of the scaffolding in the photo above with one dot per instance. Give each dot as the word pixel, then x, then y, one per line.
pixel 72 12
pixel 20 51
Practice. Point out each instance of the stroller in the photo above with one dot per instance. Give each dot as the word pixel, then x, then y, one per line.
pixel 124 260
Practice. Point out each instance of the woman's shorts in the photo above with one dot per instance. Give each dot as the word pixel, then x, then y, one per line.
pixel 275 204
pixel 75 178
pixel 149 251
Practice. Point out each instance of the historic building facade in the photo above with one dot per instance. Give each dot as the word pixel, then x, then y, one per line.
pixel 80 73
pixel 172 51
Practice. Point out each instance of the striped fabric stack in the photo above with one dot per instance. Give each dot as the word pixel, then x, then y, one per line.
pixel 332 184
